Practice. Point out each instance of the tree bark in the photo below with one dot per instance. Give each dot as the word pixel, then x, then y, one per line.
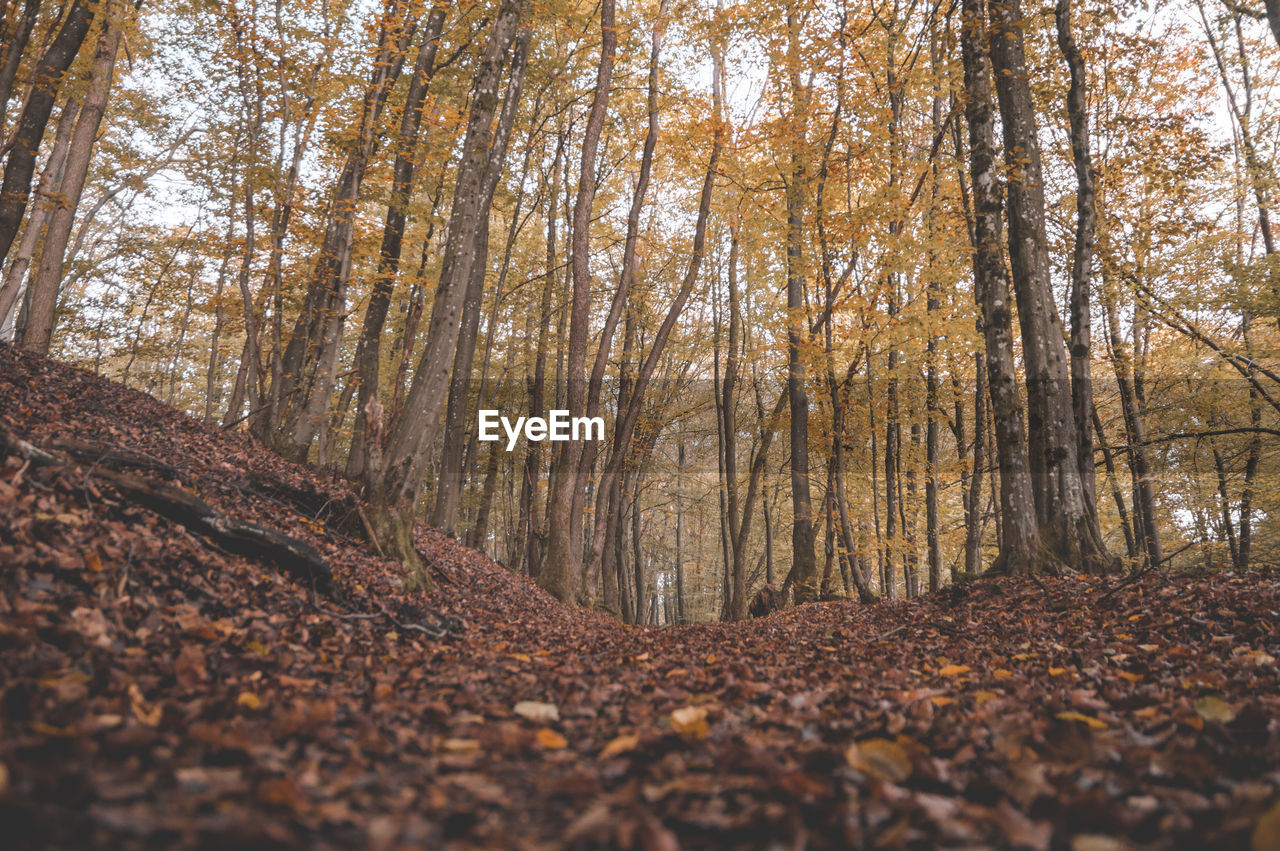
pixel 1020 546
pixel 1082 257
pixel 459 439
pixel 50 177
pixel 804 568
pixel 1068 522
pixel 15 189
pixel 393 489
pixel 311 358
pixel 15 46
pixel 44 289
pixel 564 528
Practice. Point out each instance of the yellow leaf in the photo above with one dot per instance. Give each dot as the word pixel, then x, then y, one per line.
pixel 460 745
pixel 1130 676
pixel 551 740
pixel 881 758
pixel 941 700
pixel 143 711
pixel 1138 617
pixel 1055 672
pixel 985 696
pixel 620 745
pixel 1147 712
pixel 690 721
pixel 711 659
pixel 643 657
pixel 258 647
pixel 1215 709
pixel 1266 834
pixel 1094 723
pixel 522 657
pixel 1002 673
pixel 953 670
pixel 249 699
pixel 92 561
pixel 537 711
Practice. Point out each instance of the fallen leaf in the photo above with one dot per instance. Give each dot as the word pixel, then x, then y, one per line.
pixel 953 670
pixel 1266 833
pixel 881 758
pixel 690 721
pixel 1215 709
pixel 551 740
pixel 534 710
pixel 249 699
pixel 142 710
pixel 620 745
pixel 1092 722
pixel 460 745
pixel 1097 842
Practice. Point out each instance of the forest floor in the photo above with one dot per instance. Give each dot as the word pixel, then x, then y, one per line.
pixel 158 690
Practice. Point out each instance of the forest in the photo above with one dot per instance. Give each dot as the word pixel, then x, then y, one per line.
pixel 922 363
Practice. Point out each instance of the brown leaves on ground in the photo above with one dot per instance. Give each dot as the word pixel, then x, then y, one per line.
pixel 156 691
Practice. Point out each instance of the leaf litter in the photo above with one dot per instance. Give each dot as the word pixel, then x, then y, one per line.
pixel 159 690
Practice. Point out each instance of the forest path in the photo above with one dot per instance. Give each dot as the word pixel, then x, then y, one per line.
pixel 158 690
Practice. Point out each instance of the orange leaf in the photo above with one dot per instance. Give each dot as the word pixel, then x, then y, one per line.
pixel 620 745
pixel 953 670
pixel 551 740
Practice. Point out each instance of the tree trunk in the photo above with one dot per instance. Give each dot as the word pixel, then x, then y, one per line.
pixel 804 568
pixel 1082 258
pixel 310 361
pixel 50 177
pixel 1068 522
pixel 44 289
pixel 49 74
pixel 564 532
pixel 15 46
pixel 369 347
pixel 1020 546
pixel 393 483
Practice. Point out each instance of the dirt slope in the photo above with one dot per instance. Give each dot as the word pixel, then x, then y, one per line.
pixel 159 690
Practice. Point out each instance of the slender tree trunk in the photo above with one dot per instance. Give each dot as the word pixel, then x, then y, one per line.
pixel 532 533
pixel 453 468
pixel 14 48
pixel 393 491
pixel 310 362
pixel 1020 546
pixel 50 178
pixel 50 71
pixel 1082 258
pixel 1068 522
pixel 625 427
pixel 1131 546
pixel 43 302
pixel 564 532
pixel 803 565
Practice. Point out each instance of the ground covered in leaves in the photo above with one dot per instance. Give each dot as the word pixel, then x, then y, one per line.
pixel 157 689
